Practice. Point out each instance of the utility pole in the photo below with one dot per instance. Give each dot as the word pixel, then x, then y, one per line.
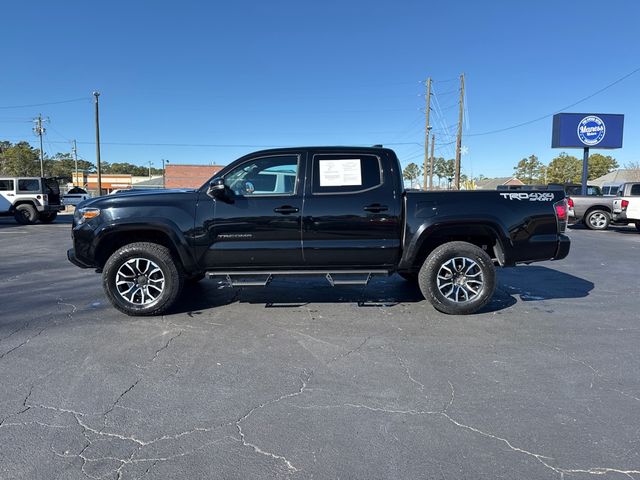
pixel 459 137
pixel 39 130
pixel 150 163
pixel 74 149
pixel 97 94
pixel 433 144
pixel 426 135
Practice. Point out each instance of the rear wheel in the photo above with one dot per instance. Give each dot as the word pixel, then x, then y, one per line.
pixel 26 214
pixel 48 217
pixel 458 278
pixel 638 226
pixel 142 279
pixel 597 220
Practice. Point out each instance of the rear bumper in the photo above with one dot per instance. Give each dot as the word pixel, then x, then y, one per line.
pixel 564 245
pixel 71 256
pixel 49 208
pixel 620 217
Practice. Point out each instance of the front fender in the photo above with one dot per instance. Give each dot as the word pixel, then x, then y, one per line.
pixel 142 226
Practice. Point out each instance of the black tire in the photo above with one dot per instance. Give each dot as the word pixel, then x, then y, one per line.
pixel 26 214
pixel 148 254
pixel 638 226
pixel 476 274
pixel 411 277
pixel 48 217
pixel 597 220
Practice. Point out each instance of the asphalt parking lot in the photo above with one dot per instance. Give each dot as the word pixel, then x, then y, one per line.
pixel 302 380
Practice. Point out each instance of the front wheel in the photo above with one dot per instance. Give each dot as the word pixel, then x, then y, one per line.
pixel 597 220
pixel 142 279
pixel 458 278
pixel 48 217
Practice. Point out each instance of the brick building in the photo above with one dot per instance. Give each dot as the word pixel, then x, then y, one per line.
pixel 110 181
pixel 189 176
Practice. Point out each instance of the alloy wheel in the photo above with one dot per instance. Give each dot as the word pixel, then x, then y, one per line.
pixel 140 281
pixel 460 279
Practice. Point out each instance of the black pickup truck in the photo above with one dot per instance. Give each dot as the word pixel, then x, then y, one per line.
pixel 339 212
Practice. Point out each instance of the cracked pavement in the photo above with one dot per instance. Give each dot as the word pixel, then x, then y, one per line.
pixel 301 380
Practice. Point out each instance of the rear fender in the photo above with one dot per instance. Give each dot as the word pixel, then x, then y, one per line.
pixel 441 231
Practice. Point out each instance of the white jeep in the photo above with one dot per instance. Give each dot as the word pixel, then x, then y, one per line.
pixel 30 199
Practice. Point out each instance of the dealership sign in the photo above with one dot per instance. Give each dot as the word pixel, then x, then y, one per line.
pixel 587 130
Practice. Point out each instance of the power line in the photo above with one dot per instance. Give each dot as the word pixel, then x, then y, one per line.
pixel 529 122
pixel 43 104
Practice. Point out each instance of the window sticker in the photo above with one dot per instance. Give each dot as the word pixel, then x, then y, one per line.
pixel 340 173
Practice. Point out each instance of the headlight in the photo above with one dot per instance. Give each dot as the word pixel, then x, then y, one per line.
pixel 81 215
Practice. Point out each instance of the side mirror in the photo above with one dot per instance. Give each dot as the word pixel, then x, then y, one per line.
pixel 217 188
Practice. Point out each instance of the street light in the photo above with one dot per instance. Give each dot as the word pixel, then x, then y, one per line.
pixel 164 175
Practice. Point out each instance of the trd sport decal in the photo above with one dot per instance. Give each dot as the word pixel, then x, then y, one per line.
pixel 532 197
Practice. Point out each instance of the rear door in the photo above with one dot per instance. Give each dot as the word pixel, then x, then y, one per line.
pixel 52 189
pixel 351 215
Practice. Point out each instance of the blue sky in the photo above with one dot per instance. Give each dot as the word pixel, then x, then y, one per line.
pixel 248 74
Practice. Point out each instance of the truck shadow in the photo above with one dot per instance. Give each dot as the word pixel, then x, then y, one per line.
pixel 526 283
pixel 9 222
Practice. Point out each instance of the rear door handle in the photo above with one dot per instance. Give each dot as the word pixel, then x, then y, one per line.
pixel 286 209
pixel 376 207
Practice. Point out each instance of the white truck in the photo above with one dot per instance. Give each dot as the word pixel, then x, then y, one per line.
pixel 74 196
pixel 29 199
pixel 626 206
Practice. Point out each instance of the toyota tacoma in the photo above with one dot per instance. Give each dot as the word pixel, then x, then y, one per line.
pixel 339 212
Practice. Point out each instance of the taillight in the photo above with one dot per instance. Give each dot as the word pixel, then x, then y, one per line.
pixel 570 202
pixel 624 204
pixel 562 214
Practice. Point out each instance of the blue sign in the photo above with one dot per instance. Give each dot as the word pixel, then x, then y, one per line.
pixel 591 130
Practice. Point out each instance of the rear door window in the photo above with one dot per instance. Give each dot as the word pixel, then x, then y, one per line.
pixel 635 189
pixel 345 173
pixel 28 185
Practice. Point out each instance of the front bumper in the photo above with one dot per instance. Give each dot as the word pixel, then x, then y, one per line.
pixel 564 245
pixel 71 256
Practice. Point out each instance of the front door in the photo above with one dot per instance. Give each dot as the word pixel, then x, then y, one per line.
pixel 259 222
pixel 351 212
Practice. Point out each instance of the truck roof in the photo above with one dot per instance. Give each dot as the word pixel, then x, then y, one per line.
pixel 326 149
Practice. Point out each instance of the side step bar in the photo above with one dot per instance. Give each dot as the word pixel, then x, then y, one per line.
pixel 262 279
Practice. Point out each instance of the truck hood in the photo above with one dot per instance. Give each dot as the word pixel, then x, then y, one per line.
pixel 157 197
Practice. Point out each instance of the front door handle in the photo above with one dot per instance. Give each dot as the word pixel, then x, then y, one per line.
pixel 376 208
pixel 286 209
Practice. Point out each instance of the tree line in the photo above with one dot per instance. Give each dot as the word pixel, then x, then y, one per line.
pixel 22 160
pixel 562 169
pixel 443 172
